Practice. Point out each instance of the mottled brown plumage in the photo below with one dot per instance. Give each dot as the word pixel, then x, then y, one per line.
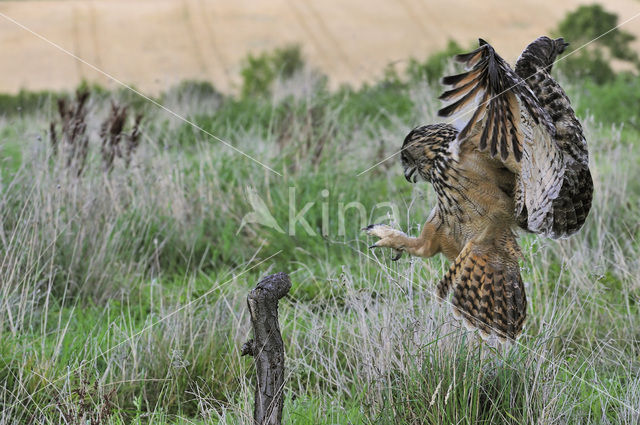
pixel 519 160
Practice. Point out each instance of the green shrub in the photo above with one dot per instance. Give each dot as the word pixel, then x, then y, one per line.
pixel 616 101
pixel 26 102
pixel 259 72
pixel 432 69
pixel 191 91
pixel 594 31
pixel 587 65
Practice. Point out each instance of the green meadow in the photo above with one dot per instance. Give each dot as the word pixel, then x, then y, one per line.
pixel 123 287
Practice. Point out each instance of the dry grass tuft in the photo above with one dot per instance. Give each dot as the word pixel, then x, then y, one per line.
pixel 74 138
pixel 115 142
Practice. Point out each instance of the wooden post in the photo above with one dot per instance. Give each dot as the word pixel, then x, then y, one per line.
pixel 267 348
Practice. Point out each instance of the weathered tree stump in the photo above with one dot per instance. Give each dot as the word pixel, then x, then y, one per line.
pixel 267 348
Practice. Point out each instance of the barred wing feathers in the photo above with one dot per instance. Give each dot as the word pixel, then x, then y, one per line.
pixel 507 121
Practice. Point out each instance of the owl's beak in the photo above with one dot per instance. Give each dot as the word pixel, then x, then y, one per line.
pixel 410 174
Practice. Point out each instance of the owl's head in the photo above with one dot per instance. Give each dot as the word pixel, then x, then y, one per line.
pixel 424 147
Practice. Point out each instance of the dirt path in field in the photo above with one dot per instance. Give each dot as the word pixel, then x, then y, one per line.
pixel 153 44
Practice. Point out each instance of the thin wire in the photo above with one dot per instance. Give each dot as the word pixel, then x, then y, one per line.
pixel 515 341
pixel 159 105
pixel 272 170
pixel 506 90
pixel 146 328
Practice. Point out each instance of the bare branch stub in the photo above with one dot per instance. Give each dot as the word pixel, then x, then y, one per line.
pixel 267 348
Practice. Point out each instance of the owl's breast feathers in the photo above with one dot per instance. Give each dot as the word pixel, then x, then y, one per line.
pixel 473 190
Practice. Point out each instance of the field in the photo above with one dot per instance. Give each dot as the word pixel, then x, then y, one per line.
pixel 123 290
pixel 153 44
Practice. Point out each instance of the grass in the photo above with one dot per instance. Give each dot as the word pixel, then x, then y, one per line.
pixel 123 293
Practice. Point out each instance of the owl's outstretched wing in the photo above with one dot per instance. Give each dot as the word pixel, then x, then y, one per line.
pixel 502 116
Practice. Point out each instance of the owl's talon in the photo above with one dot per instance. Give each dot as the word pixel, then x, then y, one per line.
pixel 388 238
pixel 370 227
pixel 381 231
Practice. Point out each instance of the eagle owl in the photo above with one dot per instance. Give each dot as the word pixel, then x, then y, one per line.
pixel 518 160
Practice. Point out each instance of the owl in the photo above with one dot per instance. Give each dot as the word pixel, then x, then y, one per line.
pixel 513 158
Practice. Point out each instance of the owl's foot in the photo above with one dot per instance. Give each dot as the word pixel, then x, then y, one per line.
pixel 389 238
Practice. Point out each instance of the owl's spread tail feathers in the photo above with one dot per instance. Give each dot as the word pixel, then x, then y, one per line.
pixel 487 291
